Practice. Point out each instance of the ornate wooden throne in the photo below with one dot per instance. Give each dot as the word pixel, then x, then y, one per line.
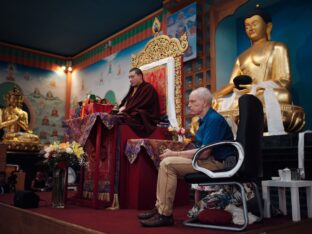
pixel 161 61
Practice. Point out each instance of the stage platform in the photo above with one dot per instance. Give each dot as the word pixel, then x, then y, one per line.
pixel 74 220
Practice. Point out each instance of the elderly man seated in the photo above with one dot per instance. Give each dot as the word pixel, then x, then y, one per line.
pixel 212 128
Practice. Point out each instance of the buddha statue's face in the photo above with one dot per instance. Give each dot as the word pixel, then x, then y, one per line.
pixel 255 28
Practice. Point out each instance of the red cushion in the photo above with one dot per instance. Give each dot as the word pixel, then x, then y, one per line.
pixel 215 216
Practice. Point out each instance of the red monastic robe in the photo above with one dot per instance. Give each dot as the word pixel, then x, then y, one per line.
pixel 142 111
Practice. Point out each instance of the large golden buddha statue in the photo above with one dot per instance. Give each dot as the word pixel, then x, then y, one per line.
pixel 262 70
pixel 14 122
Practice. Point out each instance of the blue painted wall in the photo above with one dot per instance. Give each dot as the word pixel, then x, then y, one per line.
pixel 226 51
pixel 292 22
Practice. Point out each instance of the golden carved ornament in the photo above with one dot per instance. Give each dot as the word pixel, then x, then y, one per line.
pixel 160 47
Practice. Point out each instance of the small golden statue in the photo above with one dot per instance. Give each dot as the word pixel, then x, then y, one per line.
pixel 14 121
pixel 266 64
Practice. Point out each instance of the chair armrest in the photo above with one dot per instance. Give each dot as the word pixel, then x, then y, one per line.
pixel 224 174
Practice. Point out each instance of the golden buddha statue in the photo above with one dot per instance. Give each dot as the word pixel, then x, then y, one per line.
pixel 194 125
pixel 14 121
pixel 267 64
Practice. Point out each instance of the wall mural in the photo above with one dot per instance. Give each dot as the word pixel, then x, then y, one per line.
pixel 107 78
pixel 44 97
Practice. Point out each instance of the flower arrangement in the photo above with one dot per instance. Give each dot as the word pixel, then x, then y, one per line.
pixel 178 134
pixel 176 130
pixel 63 155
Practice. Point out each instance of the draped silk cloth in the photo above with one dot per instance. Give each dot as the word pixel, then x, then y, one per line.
pixel 301 148
pixel 272 107
pixel 78 129
pixel 85 132
pixel 153 148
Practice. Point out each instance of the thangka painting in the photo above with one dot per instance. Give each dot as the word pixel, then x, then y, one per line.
pixel 44 97
pixel 184 21
pixel 161 74
pixel 108 78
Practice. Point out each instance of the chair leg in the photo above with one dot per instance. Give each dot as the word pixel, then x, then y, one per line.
pixel 244 203
pixel 259 201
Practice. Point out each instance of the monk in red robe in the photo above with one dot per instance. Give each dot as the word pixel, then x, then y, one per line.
pixel 140 108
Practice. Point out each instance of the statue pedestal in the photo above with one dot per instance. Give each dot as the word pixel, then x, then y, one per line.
pixel 21 146
pixel 3 148
pixel 27 161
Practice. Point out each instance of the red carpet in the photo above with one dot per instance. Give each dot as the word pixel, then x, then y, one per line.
pixel 123 221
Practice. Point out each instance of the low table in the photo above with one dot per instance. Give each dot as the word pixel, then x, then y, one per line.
pixel 294 186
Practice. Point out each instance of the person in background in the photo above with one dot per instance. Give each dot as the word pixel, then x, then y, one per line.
pixel 4 187
pixel 39 183
pixel 49 184
pixel 12 181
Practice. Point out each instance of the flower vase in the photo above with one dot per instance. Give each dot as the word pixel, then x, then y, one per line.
pixel 59 186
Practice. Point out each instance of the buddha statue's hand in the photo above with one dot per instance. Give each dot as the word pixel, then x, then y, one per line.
pixel 15 118
pixel 242 91
pixel 259 91
pixel 246 86
pixel 15 115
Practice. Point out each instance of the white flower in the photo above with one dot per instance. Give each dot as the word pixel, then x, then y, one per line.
pixel 66 152
pixel 48 149
pixel 69 150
